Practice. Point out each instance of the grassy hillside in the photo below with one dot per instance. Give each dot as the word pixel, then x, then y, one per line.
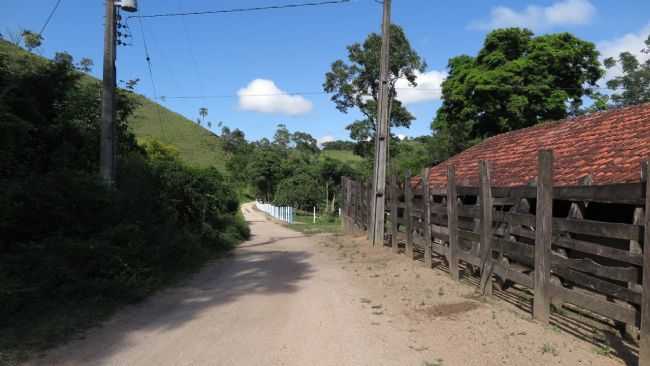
pixel 197 146
pixel 345 156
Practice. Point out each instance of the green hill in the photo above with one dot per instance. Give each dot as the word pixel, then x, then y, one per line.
pixel 196 145
pixel 346 156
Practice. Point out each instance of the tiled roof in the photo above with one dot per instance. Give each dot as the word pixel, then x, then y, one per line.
pixel 609 146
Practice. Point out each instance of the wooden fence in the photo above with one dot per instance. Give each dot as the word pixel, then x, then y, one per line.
pixel 580 246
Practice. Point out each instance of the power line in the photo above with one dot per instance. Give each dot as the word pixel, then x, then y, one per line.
pixel 242 10
pixel 49 17
pixel 153 83
pixel 228 96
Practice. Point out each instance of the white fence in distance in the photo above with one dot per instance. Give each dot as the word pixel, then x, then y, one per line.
pixel 283 213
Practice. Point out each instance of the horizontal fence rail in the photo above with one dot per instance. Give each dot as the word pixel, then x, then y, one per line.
pixel 578 247
pixel 282 213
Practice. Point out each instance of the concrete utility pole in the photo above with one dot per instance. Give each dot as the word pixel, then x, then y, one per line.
pixel 381 139
pixel 107 144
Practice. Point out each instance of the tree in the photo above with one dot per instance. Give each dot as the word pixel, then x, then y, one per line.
pixel 356 84
pixel 132 83
pixel 31 39
pixel 282 136
pixel 338 145
pixel 265 170
pixel 203 112
pixel 63 57
pixel 304 142
pixel 515 81
pixel 86 65
pixel 633 86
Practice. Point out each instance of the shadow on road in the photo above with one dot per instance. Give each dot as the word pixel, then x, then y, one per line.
pixel 254 269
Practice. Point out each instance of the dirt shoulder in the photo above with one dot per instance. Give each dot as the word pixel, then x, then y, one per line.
pixel 448 322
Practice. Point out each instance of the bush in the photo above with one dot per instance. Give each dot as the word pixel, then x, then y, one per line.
pixel 72 248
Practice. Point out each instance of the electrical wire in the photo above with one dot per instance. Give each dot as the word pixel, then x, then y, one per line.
pixel 49 17
pixel 153 83
pixel 228 96
pixel 242 10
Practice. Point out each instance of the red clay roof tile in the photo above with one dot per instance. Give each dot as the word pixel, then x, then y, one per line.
pixel 610 146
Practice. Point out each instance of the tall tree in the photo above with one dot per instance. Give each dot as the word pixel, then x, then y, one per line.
pixel 356 84
pixel 31 39
pixel 633 86
pixel 304 142
pixel 203 112
pixel 515 81
pixel 282 136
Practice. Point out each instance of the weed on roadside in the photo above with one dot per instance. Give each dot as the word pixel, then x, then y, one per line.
pixel 603 350
pixel 549 348
pixel 436 362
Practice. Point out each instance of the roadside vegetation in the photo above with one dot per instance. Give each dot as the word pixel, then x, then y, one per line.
pixel 304 222
pixel 72 249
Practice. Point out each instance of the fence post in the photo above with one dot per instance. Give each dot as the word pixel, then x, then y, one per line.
pixel 543 236
pixel 452 222
pixel 394 198
pixel 408 201
pixel 427 217
pixel 486 228
pixel 644 344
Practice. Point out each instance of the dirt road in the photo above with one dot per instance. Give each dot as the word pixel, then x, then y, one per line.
pixel 287 299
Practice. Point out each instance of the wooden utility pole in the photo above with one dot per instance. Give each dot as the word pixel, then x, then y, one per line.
pixel 381 138
pixel 108 142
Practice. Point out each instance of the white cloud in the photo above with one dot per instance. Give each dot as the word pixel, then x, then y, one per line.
pixel 631 42
pixel 325 139
pixel 401 136
pixel 561 13
pixel 428 87
pixel 263 96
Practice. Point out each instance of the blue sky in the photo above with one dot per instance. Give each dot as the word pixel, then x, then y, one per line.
pixel 273 52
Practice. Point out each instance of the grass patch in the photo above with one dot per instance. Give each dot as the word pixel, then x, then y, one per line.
pixel 304 222
pixel 197 146
pixel 346 156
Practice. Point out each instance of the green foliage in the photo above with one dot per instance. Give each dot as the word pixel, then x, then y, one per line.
pixel 31 39
pixel 197 146
pixel 301 190
pixel 633 87
pixel 69 245
pixel 356 85
pixel 338 145
pixel 515 81
pixel 157 150
pixel 410 156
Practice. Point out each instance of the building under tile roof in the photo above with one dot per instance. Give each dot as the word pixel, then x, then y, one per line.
pixel 608 146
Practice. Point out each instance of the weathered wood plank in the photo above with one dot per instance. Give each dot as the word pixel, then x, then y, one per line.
pixel 589 227
pixel 606 308
pixel 486 229
pixel 408 214
pixel 394 198
pixel 598 285
pixel 586 247
pixel 427 218
pixel 644 344
pixel 516 276
pixel 543 236
pixel 452 222
pixel 588 265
